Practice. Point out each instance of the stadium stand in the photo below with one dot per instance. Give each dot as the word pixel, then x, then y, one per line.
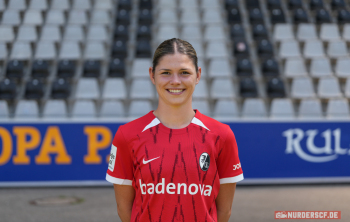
pixel 265 59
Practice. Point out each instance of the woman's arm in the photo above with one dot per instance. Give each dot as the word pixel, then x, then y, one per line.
pixel 124 195
pixel 224 201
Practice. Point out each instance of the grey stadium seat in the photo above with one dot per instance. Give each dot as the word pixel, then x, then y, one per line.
pixel 342 67
pixel 313 48
pixel 84 109
pixel 337 49
pixel 320 67
pixel 94 50
pixel 190 16
pixel 21 51
pixel 201 90
pixel 55 17
pixel 185 4
pixel 283 32
pixel 310 109
pixel 202 106
pixel 219 68
pixel 81 4
pixel 4 109
pixel 100 17
pixel 166 4
pixel 6 34
pixel 222 89
pixel 306 31
pixel 346 32
pixel 70 50
pixel 74 33
pixel 27 109
pixel 87 88
pixel 289 49
pixel 50 33
pixel 11 17
pixel 139 108
pixel 302 87
pixel 27 33
pixel 97 33
pixel 168 16
pixel 295 67
pixel 214 32
pixel 328 87
pixel 45 50
pixel 226 109
pixel 114 88
pixel 55 109
pixel 33 17
pixel 3 51
pixel 142 89
pixel 77 17
pixel 38 5
pixel 60 4
pixel 338 108
pixel 140 68
pixel 347 88
pixel 166 32
pixel 282 108
pixel 203 67
pixel 103 4
pixel 216 49
pixel 111 108
pixel 254 108
pixel 17 5
pixel 198 46
pixel 210 4
pixel 329 32
pixel 190 32
pixel 212 15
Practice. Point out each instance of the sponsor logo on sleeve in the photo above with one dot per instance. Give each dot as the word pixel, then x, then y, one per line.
pixel 112 157
pixel 237 166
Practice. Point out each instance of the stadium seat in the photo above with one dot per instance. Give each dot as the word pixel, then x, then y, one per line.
pixel 310 109
pixel 289 49
pixel 55 17
pixel 33 17
pixel 282 108
pixel 210 4
pixel 110 108
pixel 329 32
pixel 316 4
pixel 216 50
pixel 202 106
pixel 328 87
pixel 81 4
pixel 140 68
pixel 277 16
pixel 21 51
pixel 347 88
pixel 202 64
pixel 17 5
pixel 77 17
pixel 114 88
pixel 45 50
pixel 231 4
pixel 214 32
pixel 94 50
pixel 343 16
pixel 146 4
pixel 342 67
pixel 121 32
pixel 244 67
pixel 50 33
pixel 222 88
pixel 70 50
pixel 295 67
pixel 97 33
pixel 2 5
pixel 125 4
pixel 34 89
pixel 270 68
pixel 190 16
pixel 254 108
pixel 265 49
pixel 60 89
pixel 145 17
pixel 320 67
pixel 190 32
pixel 255 15
pixel 40 69
pixel 84 109
pixel 295 4
pixel 212 15
pixel 166 32
pixel 338 108
pixel 27 109
pixel 237 32
pixel 101 17
pixel 87 88
pixel 167 16
pixel 166 4
pixel 306 31
pixel 60 4
pixel 3 52
pixel 92 68
pixel 143 32
pixel 201 90
pixel 275 88
pixel 143 49
pixel 234 15
pixel 250 4
pixel 283 32
pixel 142 89
pixel 302 87
pixel 66 68
pixel 300 16
pixel 226 109
pixel 8 89
pixel 123 17
pixel 27 33
pixel 188 4
pixel 337 49
pixel 6 34
pixel 116 68
pixel 119 49
pixel 271 4
pixel 74 33
pixel 139 108
pixel 15 69
pixel 55 109
pixel 313 48
pixel 4 109
pixel 198 46
pixel 323 16
pixel 241 49
pixel 219 68
pixel 338 4
pixel 248 88
pixel 346 32
pixel 11 17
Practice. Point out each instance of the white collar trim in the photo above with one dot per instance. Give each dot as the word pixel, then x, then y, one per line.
pixel 156 121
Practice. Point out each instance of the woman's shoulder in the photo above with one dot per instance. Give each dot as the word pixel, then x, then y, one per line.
pixel 136 126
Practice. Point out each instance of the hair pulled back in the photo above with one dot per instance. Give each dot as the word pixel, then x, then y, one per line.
pixel 171 46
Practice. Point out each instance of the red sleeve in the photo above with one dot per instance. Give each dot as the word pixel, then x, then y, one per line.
pixel 120 166
pixel 229 166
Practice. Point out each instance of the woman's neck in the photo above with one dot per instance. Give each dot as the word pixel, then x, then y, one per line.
pixel 174 117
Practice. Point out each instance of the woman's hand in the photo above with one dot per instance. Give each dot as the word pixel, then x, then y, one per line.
pixel 124 195
pixel 224 201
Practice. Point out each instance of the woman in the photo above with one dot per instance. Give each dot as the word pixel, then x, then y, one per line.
pixel 174 163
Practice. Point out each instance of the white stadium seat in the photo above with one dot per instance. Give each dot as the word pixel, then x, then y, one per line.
pixel 140 68
pixel 55 109
pixel 139 108
pixel 338 108
pixel 289 49
pixel 87 88
pixel 328 87
pixel 201 90
pixel 226 108
pixel 111 108
pixel 222 88
pixel 282 109
pixel 302 87
pixel 27 109
pixel 342 67
pixel 114 88
pixel 202 106
pixel 320 67
pixel 254 108
pixel 306 31
pixel 283 32
pixel 84 109
pixel 295 67
pixel 142 89
pixel 310 109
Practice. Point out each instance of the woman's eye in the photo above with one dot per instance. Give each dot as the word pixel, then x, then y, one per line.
pixel 184 72
pixel 166 73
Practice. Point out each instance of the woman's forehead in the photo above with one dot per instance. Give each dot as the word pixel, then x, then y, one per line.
pixel 177 60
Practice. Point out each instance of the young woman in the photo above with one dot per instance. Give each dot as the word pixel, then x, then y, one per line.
pixel 174 163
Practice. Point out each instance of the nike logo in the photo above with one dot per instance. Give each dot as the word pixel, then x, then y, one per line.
pixel 147 161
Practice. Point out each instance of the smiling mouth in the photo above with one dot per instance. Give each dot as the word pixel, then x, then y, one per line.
pixel 175 91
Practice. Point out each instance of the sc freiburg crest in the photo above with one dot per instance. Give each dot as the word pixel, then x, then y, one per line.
pixel 204 161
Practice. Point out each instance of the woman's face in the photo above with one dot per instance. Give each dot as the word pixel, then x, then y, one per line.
pixel 175 78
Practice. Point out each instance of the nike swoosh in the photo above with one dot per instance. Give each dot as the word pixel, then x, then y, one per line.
pixel 147 161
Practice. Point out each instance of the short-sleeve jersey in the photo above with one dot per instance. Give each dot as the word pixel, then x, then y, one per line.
pixel 176 173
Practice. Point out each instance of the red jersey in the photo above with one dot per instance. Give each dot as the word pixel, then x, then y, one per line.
pixel 176 173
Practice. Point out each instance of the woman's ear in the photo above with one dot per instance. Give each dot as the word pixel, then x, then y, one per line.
pixel 151 75
pixel 199 75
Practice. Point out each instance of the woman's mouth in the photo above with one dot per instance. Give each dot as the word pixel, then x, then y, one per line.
pixel 175 91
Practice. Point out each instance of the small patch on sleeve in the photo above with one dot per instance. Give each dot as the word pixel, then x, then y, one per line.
pixel 112 158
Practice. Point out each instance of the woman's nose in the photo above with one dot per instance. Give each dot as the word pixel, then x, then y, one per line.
pixel 175 79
